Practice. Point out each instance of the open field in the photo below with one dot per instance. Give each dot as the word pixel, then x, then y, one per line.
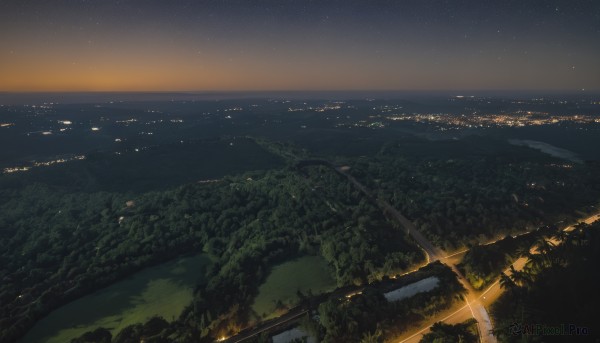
pixel 302 274
pixel 163 290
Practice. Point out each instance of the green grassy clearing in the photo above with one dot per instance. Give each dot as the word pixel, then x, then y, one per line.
pixel 163 290
pixel 303 274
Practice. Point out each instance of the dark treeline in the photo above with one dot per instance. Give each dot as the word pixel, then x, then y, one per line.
pixel 559 286
pixel 471 190
pixel 153 167
pixel 465 332
pixel 482 264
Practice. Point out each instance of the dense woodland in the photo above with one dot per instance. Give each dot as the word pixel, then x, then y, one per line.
pixel 558 286
pixel 61 241
pixel 59 245
pixel 475 189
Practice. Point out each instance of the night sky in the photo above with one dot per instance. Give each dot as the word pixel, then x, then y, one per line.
pixel 59 45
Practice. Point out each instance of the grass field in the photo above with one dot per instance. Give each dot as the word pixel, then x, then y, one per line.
pixel 162 290
pixel 304 274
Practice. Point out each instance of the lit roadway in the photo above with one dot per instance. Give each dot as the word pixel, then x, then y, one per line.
pixel 487 297
pixel 474 301
pixel 473 306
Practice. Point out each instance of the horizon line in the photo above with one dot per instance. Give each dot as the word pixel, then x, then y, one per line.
pixel 300 90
